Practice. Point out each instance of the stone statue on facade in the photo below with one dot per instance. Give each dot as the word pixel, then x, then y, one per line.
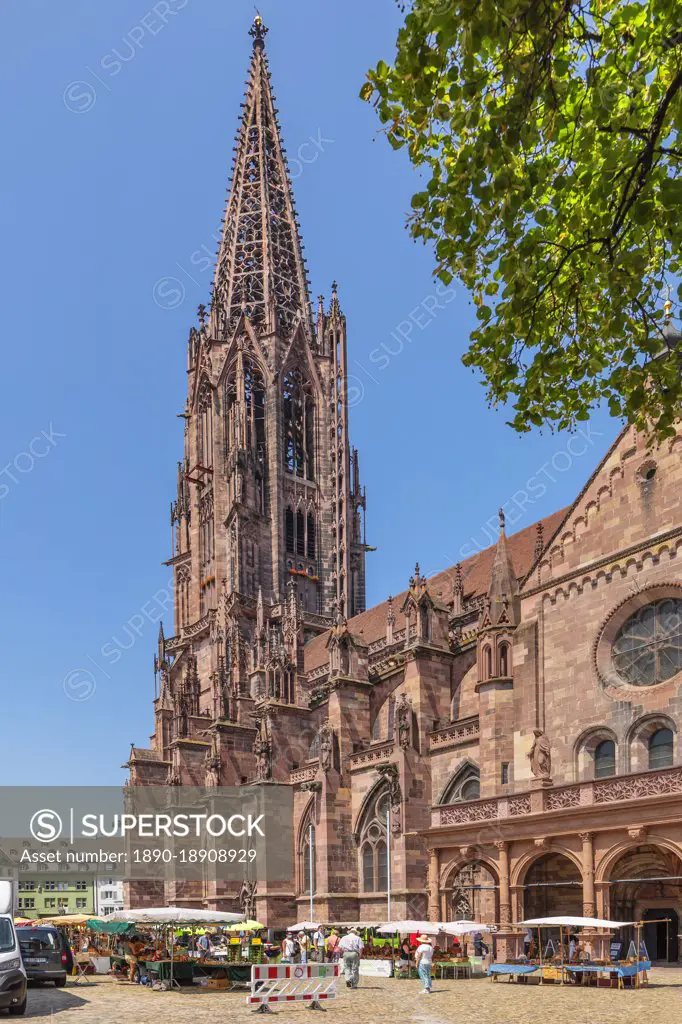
pixel 247 897
pixel 540 755
pixel 404 714
pixel 262 750
pixel 326 746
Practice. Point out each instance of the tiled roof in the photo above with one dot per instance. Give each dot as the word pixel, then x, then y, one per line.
pixel 371 624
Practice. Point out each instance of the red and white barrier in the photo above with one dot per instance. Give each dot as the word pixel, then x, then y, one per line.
pixel 290 983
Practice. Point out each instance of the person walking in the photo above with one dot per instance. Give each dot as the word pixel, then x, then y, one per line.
pixel 333 946
pixel 351 947
pixel 318 944
pixel 424 960
pixel 288 949
pixel 304 946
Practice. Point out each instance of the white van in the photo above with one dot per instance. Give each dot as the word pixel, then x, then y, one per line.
pixel 12 972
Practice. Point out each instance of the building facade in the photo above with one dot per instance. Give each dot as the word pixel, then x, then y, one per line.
pixel 109 896
pixel 43 896
pixel 504 735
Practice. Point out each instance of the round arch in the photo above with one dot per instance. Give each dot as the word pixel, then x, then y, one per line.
pixel 470 889
pixel 552 885
pixel 584 750
pixel 638 736
pixel 604 867
pixel 526 861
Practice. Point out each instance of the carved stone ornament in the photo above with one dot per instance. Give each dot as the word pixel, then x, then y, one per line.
pixel 404 720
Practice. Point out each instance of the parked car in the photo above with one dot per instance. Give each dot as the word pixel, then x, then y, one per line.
pixel 12 972
pixel 43 953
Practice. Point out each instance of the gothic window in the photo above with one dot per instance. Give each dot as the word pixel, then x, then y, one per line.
pixel 373 844
pixel 648 646
pixel 205 427
pixel 308 848
pixel 504 660
pixel 425 623
pixel 299 425
pixel 311 535
pixel 289 530
pixel 487 663
pixel 604 759
pixel 248 431
pixel 661 749
pixel 466 785
pixel 300 533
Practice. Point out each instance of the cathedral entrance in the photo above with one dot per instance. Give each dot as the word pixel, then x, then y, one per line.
pixel 645 885
pixel 660 936
pixel 472 894
pixel 553 887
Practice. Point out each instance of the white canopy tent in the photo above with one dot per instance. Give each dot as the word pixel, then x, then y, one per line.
pixel 304 926
pixel 409 927
pixel 174 915
pixel 573 922
pixel 464 927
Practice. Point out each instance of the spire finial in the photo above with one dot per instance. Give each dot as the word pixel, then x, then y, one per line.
pixel 501 515
pixel 258 31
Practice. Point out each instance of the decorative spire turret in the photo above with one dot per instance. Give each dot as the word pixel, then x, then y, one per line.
pixel 503 590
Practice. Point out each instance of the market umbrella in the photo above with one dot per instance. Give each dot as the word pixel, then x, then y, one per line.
pixel 464 927
pixel 409 927
pixel 65 920
pixel 303 926
pixel 574 922
pixel 21 921
pixel 245 926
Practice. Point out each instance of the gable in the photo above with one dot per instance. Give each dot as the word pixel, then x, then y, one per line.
pixel 632 496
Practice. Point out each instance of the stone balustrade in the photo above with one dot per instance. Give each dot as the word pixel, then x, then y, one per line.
pixel 462 731
pixel 617 788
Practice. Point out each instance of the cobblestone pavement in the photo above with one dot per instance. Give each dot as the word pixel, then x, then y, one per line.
pixel 377 1001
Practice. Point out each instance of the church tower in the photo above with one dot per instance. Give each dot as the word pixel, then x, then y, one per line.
pixel 269 488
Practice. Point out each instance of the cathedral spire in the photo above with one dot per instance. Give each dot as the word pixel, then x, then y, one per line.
pixel 260 267
pixel 504 588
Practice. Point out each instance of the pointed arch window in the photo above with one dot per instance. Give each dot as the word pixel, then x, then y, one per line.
pixel 205 426
pixel 300 533
pixel 299 425
pixel 311 537
pixel 487 663
pixel 247 431
pixel 373 844
pixel 289 531
pixel 504 660
pixel 307 856
pixel 465 786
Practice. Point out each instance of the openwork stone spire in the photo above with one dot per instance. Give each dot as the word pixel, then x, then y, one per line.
pixel 260 268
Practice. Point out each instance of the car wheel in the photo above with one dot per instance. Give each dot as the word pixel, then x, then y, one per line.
pixel 60 982
pixel 19 1009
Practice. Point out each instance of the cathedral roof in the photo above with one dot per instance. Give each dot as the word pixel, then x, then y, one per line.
pixel 476 574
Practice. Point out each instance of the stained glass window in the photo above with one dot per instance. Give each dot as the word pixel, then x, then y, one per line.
pixel 648 646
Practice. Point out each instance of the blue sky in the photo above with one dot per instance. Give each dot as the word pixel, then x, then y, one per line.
pixel 118 121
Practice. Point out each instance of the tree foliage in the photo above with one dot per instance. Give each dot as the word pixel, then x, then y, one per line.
pixel 548 134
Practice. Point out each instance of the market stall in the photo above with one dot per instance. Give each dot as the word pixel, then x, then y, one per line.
pixel 574 964
pixel 171 968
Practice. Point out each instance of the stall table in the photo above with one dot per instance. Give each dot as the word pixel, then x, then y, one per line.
pixel 445 968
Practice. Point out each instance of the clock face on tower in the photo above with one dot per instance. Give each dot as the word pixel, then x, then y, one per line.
pixel 647 648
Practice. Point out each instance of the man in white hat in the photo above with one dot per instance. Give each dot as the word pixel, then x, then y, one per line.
pixel 351 947
pixel 424 960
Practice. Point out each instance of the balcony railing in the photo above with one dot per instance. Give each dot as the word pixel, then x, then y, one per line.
pixel 372 755
pixel 463 731
pixel 582 794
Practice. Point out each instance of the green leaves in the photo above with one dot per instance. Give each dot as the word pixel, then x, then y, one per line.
pixel 550 135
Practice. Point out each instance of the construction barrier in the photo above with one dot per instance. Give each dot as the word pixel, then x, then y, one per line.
pixel 291 983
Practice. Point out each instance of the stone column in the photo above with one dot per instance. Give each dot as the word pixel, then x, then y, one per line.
pixel 505 899
pixel 590 936
pixel 434 886
pixel 589 906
